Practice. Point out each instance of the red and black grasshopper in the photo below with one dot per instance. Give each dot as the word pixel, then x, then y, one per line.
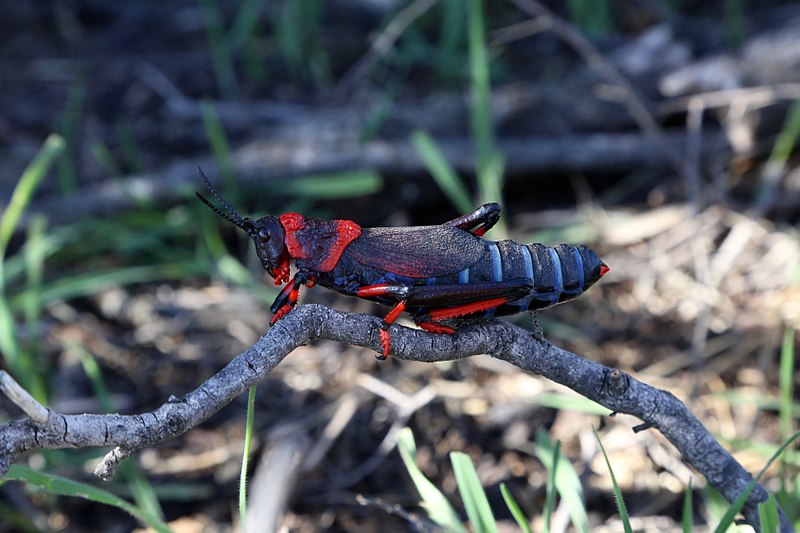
pixel 432 272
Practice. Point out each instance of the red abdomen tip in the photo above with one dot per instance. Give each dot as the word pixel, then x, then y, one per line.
pixel 603 269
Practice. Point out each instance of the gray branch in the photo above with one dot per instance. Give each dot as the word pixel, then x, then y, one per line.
pixel 609 387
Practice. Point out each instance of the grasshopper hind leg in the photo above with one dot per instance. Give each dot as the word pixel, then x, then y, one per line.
pixel 479 221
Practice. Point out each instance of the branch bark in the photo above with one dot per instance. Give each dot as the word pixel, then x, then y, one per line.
pixel 609 387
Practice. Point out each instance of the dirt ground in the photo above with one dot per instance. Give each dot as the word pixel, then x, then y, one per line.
pixel 660 133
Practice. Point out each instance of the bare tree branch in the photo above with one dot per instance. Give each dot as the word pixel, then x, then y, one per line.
pixel 609 387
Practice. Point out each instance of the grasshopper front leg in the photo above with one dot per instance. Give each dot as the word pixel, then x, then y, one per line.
pixel 400 292
pixel 287 299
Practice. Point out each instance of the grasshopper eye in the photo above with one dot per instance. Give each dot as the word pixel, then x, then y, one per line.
pixel 264 235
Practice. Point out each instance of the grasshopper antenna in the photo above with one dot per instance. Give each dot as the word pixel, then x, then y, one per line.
pixel 232 216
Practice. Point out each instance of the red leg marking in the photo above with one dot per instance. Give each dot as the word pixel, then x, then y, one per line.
pixel 281 273
pixel 368 291
pixel 280 313
pixel 286 291
pixel 434 327
pixel 394 313
pixel 386 343
pixel 466 309
pixel 289 296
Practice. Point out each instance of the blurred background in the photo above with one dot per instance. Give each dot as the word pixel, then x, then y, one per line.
pixel 660 132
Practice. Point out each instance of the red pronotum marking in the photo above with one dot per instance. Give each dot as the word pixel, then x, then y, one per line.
pixel 346 232
pixel 292 222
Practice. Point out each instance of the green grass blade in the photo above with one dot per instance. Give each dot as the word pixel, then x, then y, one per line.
pixel 481 114
pixel 786 382
pixel 435 503
pixel 219 143
pixel 329 186
pixel 513 506
pixel 550 498
pixel 734 17
pixel 790 457
pixel 34 257
pixel 788 498
pixel 66 487
pixel 623 510
pixel 105 158
pixel 760 400
pixel 787 140
pixel 20 365
pixel 248 437
pixel 730 514
pixel 444 175
pixel 715 504
pixel 87 283
pixel 52 241
pixel 140 487
pixel 776 164
pixel 768 515
pixel 131 153
pixel 786 411
pixel 378 114
pixel 567 481
pixel 298 31
pixel 221 60
pixel 490 163
pixel 143 492
pixel 472 494
pixel 592 16
pixel 26 186
pixel 245 24
pixel 452 40
pixel 570 402
pixel 69 129
pixel 688 509
pixel 289 35
pixel 95 375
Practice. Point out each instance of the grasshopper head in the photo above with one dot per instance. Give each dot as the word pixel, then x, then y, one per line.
pixel 267 233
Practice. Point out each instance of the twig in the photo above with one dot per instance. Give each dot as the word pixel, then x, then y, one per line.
pixel 22 398
pixel 609 387
pixel 754 97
